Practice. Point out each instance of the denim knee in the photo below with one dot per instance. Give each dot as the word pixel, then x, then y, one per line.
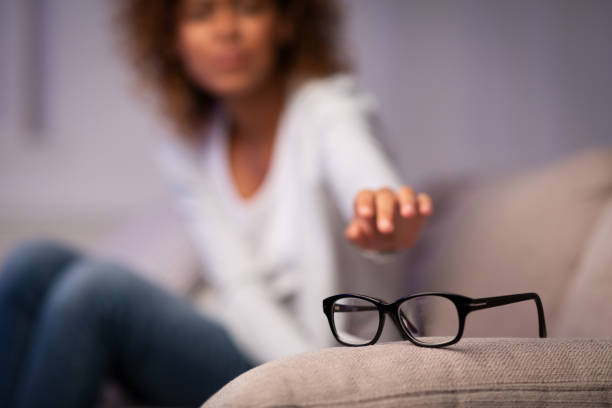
pixel 28 268
pixel 90 289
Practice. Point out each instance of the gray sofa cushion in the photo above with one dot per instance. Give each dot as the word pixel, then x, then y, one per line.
pixel 475 373
pixel 588 306
pixel 528 231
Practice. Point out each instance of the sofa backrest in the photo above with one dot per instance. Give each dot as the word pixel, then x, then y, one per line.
pixel 587 310
pixel 546 230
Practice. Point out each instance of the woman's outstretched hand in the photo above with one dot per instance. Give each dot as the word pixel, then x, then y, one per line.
pixel 385 220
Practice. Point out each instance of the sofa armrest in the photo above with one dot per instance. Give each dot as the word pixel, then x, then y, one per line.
pixel 474 372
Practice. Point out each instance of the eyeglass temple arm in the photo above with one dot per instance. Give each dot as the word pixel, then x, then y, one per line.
pixel 485 303
pixel 356 308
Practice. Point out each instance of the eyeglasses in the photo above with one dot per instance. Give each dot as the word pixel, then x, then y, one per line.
pixel 432 319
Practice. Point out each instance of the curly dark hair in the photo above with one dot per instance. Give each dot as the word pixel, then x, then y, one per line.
pixel 148 34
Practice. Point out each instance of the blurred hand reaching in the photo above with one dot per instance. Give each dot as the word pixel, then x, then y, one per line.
pixel 385 220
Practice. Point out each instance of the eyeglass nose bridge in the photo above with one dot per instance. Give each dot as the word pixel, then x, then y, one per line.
pixel 383 310
pixel 394 312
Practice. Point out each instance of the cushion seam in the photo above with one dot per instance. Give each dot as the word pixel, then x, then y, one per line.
pixel 415 394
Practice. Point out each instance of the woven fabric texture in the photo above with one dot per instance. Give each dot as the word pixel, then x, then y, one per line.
pixel 473 373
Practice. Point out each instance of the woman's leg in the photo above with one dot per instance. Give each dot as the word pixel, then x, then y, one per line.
pixel 25 277
pixel 102 319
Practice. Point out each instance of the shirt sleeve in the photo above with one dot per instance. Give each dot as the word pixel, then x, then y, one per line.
pixel 352 157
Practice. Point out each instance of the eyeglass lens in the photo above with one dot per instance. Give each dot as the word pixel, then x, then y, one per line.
pixel 356 320
pixel 430 319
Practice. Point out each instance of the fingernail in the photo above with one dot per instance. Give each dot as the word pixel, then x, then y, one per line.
pixel 365 210
pixel 384 224
pixel 407 210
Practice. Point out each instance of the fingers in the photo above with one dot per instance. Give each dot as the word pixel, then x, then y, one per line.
pixel 364 204
pixel 425 204
pixel 362 229
pixel 385 218
pixel 385 209
pixel 360 232
pixel 407 201
pixel 352 231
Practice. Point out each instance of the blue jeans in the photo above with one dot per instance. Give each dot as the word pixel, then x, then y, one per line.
pixel 68 322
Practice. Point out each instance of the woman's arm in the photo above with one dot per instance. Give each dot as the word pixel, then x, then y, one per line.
pixel 382 213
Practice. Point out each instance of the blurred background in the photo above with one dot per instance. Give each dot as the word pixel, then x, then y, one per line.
pixel 470 86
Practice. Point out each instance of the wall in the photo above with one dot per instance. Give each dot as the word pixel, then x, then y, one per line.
pixel 464 86
pixel 477 85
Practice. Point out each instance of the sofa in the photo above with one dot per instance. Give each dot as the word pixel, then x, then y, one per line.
pixel 546 229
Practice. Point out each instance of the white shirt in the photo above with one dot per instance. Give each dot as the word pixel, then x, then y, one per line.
pixel 255 218
pixel 270 258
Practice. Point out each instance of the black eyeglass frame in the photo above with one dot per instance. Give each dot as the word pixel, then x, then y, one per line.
pixel 463 304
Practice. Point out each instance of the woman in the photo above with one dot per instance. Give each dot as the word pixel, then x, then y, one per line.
pixel 269 130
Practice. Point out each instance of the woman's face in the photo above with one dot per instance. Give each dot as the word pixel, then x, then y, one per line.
pixel 229 47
